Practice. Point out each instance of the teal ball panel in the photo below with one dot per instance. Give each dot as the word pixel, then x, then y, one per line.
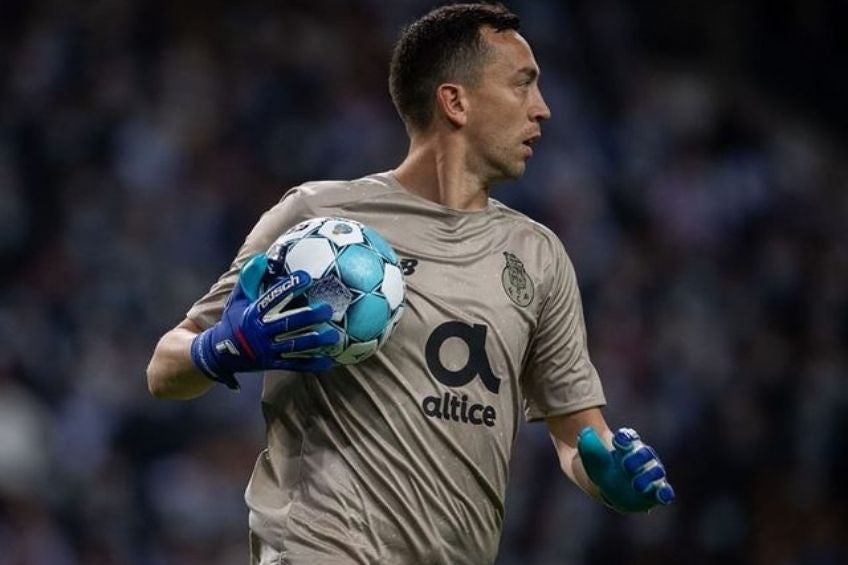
pixel 380 244
pixel 360 268
pixel 367 317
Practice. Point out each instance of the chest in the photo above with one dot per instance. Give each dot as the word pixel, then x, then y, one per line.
pixel 468 310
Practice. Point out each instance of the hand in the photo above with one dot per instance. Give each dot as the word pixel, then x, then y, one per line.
pixel 256 332
pixel 631 477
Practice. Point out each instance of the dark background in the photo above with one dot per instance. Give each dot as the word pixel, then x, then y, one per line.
pixel 695 167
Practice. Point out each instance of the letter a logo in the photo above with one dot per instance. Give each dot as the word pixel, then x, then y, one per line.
pixel 478 362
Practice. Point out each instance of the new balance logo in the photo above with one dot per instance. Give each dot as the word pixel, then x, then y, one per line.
pixel 407 266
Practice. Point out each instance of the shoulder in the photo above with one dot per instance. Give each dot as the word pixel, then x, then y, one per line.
pixel 542 251
pixel 308 200
pixel 524 226
pixel 322 194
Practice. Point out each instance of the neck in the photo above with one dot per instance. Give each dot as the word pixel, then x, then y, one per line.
pixel 436 169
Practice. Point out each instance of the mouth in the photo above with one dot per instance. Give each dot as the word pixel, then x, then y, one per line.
pixel 530 141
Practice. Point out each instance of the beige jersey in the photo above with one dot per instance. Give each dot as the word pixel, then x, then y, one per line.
pixel 404 458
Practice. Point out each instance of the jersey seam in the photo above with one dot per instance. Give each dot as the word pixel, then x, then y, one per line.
pixel 496 208
pixel 547 275
pixel 542 306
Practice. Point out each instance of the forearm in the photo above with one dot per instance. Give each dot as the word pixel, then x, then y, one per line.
pixel 564 430
pixel 171 373
pixel 573 468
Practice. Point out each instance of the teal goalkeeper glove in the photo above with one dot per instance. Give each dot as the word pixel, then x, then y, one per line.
pixel 631 477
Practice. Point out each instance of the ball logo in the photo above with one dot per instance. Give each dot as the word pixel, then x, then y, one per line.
pixel 452 406
pixel 332 291
pixel 516 281
pixel 341 229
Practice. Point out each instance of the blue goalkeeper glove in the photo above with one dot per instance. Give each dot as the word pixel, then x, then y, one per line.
pixel 631 477
pixel 257 333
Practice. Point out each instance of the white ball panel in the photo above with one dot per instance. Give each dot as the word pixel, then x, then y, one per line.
pixel 392 286
pixel 299 231
pixel 390 327
pixel 313 255
pixel 341 232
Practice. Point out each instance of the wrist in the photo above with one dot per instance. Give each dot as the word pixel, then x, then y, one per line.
pixel 205 358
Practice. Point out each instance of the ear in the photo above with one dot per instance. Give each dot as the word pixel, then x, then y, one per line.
pixel 453 102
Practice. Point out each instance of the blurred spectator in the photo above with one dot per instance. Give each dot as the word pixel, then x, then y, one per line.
pixel 694 167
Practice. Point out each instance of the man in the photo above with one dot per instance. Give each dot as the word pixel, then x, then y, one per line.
pixel 404 457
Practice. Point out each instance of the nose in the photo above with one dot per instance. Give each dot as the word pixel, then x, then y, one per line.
pixel 539 110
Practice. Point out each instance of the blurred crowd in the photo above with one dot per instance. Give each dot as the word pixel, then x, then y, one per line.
pixel 695 175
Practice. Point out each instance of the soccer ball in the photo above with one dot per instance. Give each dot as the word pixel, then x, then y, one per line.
pixel 355 271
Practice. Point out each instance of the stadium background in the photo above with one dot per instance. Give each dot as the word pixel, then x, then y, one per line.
pixel 695 167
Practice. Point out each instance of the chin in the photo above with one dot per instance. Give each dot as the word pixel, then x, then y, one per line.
pixel 514 171
pixel 504 171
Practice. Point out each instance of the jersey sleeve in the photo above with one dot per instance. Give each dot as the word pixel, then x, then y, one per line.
pixel 290 210
pixel 558 376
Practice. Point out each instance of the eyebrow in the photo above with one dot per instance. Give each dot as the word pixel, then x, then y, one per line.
pixel 530 72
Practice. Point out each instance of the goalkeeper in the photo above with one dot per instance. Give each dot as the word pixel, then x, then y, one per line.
pixel 404 457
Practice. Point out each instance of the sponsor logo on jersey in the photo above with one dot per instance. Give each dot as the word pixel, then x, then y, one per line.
pixel 516 281
pixel 474 337
pixel 451 406
pixel 457 409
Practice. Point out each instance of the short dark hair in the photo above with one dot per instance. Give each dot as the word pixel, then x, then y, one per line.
pixel 444 45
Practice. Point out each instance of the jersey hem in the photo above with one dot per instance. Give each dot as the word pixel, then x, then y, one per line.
pixel 537 416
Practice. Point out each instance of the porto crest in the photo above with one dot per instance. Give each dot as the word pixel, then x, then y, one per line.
pixel 516 281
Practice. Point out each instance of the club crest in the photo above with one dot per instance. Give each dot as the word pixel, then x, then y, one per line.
pixel 516 281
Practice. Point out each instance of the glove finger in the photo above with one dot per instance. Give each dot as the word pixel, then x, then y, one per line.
pixel 625 438
pixel 299 319
pixel 637 459
pixel 645 480
pixel 305 342
pixel 251 275
pixel 238 296
pixel 271 304
pixel 304 364
pixel 594 454
pixel 665 493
